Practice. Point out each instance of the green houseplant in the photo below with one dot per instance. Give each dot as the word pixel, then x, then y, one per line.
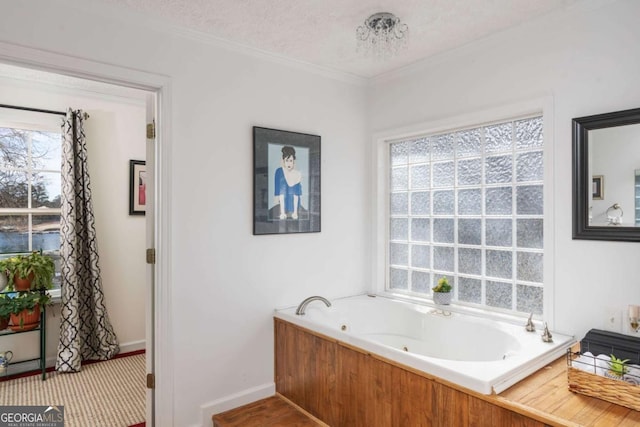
pixel 5 311
pixel 29 272
pixel 617 367
pixel 442 292
pixel 24 308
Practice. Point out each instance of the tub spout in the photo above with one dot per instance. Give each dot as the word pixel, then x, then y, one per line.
pixel 303 305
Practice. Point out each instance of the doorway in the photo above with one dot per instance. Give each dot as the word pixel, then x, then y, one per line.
pixel 152 91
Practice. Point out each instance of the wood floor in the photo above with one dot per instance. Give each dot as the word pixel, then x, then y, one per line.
pixel 273 411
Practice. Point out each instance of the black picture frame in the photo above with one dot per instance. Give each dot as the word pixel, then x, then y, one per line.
pixel 137 187
pixel 301 183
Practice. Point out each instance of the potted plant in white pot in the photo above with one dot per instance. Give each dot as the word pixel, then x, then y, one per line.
pixel 442 292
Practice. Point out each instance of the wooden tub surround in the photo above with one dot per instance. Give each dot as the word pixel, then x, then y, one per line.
pixel 346 386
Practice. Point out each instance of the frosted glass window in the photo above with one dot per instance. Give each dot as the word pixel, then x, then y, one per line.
pixel 529 299
pixel 399 153
pixel 469 143
pixel 469 231
pixel 499 264
pixel 443 230
pixel 399 253
pixel 530 266
pixel 499 201
pixel 469 172
pixel 529 166
pixel 399 178
pixel 420 256
pixel 399 203
pixel 443 202
pixel 442 147
pixel 420 281
pixel 468 204
pixel 398 278
pixel 470 261
pixel 420 229
pixel 399 229
pixel 499 232
pixel 499 138
pixel 443 258
pixel 420 176
pixel 499 294
pixel 499 169
pixel 443 174
pixel 420 203
pixel 529 133
pixel 529 200
pixel 530 233
pixel 469 290
pixel 419 151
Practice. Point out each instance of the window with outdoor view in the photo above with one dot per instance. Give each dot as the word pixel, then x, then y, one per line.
pixel 30 188
pixel 468 204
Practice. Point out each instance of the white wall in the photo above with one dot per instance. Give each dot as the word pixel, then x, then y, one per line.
pixel 225 281
pixel 114 135
pixel 586 60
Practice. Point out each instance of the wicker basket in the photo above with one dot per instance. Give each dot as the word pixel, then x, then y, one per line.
pixel 614 391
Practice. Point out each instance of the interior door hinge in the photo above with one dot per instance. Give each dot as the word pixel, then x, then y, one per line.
pixel 151 130
pixel 151 256
pixel 151 381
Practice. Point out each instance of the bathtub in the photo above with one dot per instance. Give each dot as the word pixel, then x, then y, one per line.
pixel 483 355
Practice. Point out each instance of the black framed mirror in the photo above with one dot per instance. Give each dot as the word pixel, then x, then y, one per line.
pixel 606 176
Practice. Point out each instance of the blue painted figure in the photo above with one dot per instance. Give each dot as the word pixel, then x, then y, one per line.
pixel 288 184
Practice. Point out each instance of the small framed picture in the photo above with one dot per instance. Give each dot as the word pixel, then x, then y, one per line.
pixel 286 182
pixel 597 187
pixel 137 187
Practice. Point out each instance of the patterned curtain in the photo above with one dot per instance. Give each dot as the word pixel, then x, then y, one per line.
pixel 85 330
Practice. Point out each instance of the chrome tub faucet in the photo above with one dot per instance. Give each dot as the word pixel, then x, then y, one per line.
pixel 303 305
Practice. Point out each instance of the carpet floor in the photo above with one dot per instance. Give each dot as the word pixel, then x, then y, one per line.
pixel 104 394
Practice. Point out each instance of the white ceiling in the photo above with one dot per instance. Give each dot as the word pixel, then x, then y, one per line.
pixel 322 32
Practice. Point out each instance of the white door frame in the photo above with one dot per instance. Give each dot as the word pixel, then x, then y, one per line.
pixel 161 86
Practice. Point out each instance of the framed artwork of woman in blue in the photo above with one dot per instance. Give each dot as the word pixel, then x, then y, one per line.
pixel 286 182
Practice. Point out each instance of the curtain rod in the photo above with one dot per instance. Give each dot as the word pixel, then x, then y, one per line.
pixel 38 110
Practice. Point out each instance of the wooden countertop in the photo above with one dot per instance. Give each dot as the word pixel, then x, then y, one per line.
pixel 546 395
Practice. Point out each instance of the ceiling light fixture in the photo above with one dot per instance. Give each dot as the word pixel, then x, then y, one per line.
pixel 382 35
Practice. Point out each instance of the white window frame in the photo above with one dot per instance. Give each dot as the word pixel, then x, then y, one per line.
pixel 33 121
pixel 380 201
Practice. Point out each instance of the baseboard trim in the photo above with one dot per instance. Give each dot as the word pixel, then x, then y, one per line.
pixel 51 362
pixel 234 400
pixel 126 349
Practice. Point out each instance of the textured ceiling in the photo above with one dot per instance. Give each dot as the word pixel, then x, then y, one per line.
pixel 322 32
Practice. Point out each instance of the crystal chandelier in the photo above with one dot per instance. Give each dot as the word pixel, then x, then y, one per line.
pixel 382 35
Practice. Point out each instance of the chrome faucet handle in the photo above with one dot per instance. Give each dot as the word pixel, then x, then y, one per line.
pixel 546 335
pixel 530 327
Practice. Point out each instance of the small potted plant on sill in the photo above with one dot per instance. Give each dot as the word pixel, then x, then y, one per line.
pixel 442 292
pixel 25 309
pixel 617 368
pixel 29 272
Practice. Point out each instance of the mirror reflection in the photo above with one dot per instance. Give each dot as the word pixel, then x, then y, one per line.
pixel 614 164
